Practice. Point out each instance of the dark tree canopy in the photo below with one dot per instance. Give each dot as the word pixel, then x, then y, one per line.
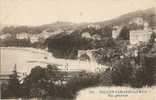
pixel 124 33
pixel 13 88
pixel 67 46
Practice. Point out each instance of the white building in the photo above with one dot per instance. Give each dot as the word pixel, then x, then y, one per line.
pixel 96 37
pixel 138 36
pixel 86 35
pixel 96 26
pixel 23 35
pixel 116 31
pixel 34 38
pixel 4 36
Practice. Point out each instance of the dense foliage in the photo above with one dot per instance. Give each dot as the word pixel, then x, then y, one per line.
pixel 122 72
pixel 124 33
pixel 137 71
pixel 13 88
pixel 49 82
pixel 67 45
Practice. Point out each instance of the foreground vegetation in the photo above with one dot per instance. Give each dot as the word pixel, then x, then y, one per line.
pixel 48 82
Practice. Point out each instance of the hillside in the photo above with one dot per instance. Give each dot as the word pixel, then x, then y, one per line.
pixel 38 29
pixel 148 15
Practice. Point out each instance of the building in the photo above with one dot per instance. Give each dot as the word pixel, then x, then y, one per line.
pixel 23 35
pixel 4 78
pixel 137 20
pixel 96 26
pixel 138 36
pixel 5 36
pixel 116 31
pixel 86 35
pixel 142 35
pixel 96 37
pixel 34 38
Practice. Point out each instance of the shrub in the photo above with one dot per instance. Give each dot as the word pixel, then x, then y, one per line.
pixel 122 72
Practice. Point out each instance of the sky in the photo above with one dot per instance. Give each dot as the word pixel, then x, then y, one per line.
pixel 38 12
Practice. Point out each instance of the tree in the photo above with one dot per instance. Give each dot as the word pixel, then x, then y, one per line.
pixel 110 43
pixel 122 72
pixel 67 46
pixel 42 82
pixel 107 31
pixel 124 33
pixel 152 39
pixel 144 76
pixel 35 83
pixel 13 88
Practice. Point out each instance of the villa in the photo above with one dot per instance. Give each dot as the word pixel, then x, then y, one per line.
pixel 138 36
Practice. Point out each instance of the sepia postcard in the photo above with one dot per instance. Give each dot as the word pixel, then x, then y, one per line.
pixel 77 49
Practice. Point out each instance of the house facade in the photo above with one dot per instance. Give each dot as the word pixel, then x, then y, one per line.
pixel 142 35
pixel 116 31
pixel 5 36
pixel 34 38
pixel 23 35
pixel 137 36
pixel 86 35
pixel 4 78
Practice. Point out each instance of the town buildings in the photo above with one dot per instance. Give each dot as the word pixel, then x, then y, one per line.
pixel 136 36
pixel 88 35
pixel 22 35
pixel 140 35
